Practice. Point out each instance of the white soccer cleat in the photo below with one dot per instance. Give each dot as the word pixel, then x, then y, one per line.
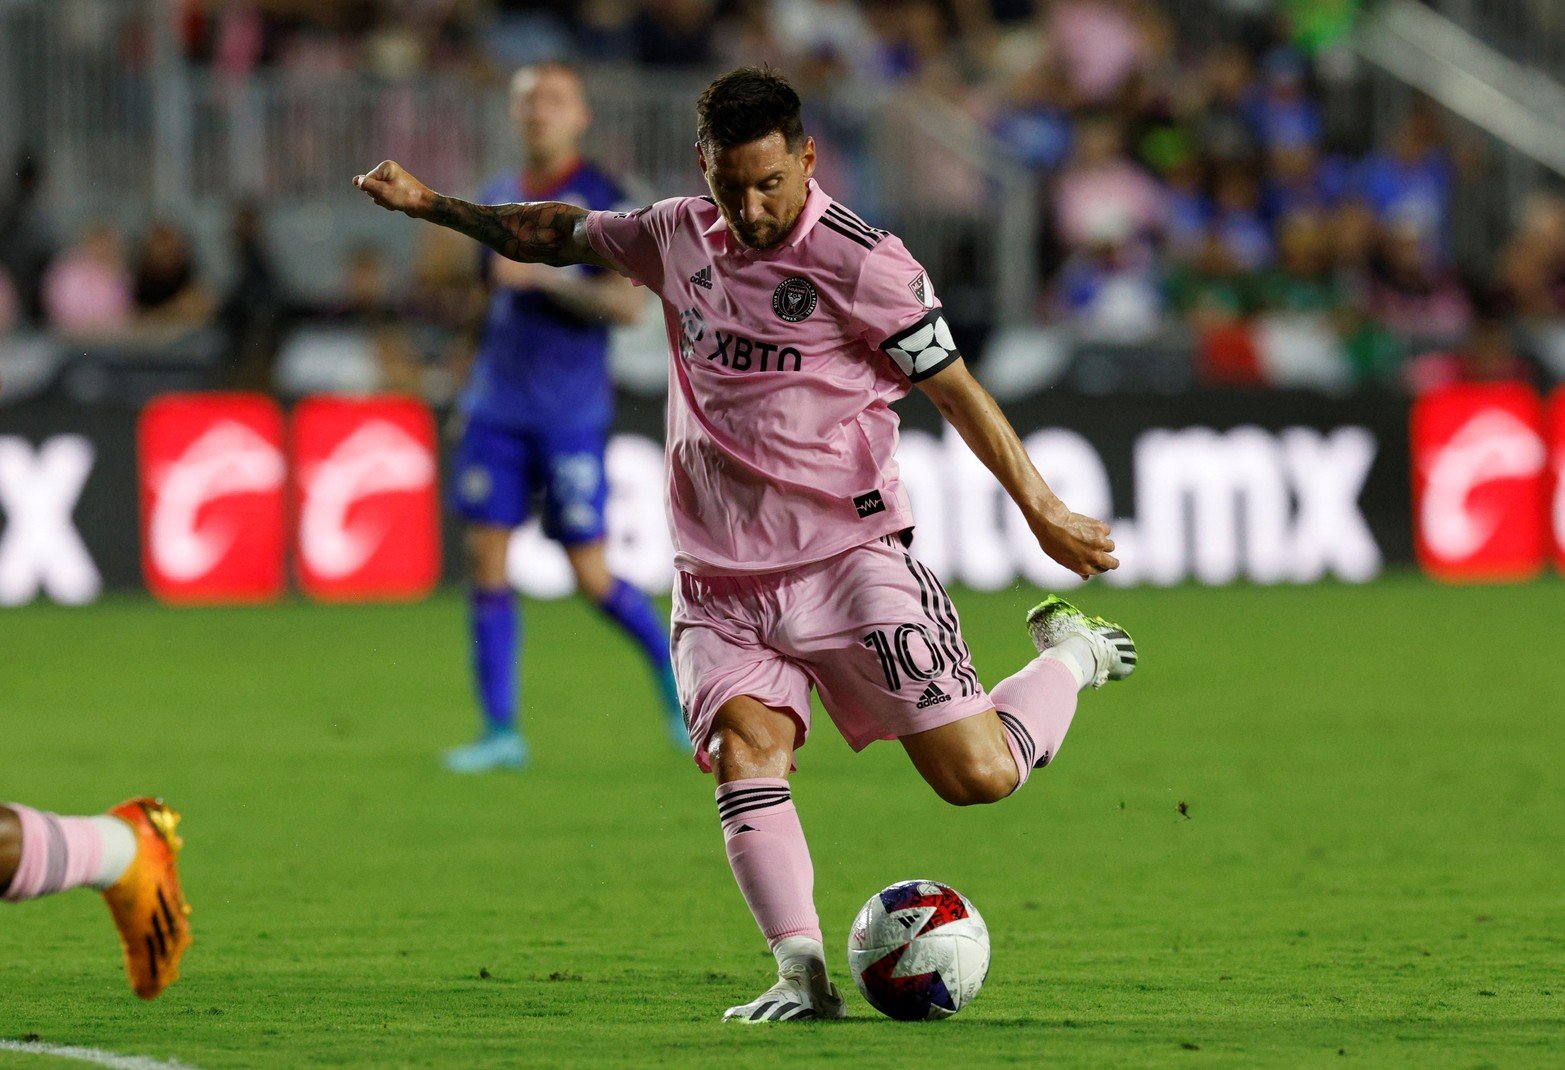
pixel 1054 620
pixel 800 995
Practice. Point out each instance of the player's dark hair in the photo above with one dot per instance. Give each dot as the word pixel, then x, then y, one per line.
pixel 746 105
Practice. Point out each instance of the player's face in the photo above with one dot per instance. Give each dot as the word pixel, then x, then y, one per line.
pixel 550 112
pixel 760 187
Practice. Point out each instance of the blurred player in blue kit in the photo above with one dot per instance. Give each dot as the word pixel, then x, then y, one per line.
pixel 537 411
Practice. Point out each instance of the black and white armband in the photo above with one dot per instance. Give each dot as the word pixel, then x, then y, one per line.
pixel 924 348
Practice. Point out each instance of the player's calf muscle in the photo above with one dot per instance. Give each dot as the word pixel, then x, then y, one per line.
pixel 975 785
pixel 967 762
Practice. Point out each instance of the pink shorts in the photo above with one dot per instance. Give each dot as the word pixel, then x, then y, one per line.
pixel 872 630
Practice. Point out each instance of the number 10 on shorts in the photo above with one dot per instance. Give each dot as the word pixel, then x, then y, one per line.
pixel 897 657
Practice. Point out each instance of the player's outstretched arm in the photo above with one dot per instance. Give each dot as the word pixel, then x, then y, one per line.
pixel 1078 542
pixel 545 232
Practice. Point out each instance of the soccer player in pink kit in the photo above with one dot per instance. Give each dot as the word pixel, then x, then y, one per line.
pixel 792 325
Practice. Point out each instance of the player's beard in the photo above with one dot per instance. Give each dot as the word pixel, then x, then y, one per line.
pixel 766 236
pixel 752 240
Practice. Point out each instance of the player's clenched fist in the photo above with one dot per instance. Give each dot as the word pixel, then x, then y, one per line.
pixel 395 190
pixel 1080 543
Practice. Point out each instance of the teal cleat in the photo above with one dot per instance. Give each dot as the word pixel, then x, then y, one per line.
pixel 1053 620
pixel 673 711
pixel 493 750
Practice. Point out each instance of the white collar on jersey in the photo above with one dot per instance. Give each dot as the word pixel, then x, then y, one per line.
pixel 816 202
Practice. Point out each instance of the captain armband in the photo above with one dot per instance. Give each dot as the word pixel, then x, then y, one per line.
pixel 924 348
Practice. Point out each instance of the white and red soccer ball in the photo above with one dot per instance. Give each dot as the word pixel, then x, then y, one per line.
pixel 919 950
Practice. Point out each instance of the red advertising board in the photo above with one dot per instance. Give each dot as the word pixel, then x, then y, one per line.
pixel 366 498
pixel 212 511
pixel 1479 483
pixel 1557 473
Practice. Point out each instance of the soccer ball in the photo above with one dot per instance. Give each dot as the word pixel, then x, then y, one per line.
pixel 919 950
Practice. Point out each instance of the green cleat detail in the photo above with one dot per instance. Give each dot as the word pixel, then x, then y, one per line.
pixel 1054 620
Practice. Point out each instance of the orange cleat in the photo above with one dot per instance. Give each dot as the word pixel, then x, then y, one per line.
pixel 148 907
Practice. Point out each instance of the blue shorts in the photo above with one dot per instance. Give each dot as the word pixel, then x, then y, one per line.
pixel 499 472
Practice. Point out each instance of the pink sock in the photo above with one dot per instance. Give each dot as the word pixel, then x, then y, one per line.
pixel 1036 706
pixel 769 857
pixel 58 853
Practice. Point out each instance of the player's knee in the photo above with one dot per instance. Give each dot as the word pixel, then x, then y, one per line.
pixel 590 566
pixel 742 749
pixel 10 843
pixel 977 784
pixel 594 584
pixel 486 553
pixel 737 756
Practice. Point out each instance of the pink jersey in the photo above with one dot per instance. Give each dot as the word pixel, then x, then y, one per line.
pixel 781 438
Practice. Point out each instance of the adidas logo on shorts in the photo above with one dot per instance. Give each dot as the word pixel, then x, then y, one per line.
pixel 703 278
pixel 932 696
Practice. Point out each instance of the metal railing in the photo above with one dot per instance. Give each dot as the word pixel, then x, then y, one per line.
pixel 76 85
pixel 127 128
pixel 1529 32
pixel 1473 79
pixel 1510 110
pixel 1497 66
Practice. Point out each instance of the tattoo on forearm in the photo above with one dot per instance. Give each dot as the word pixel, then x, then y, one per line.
pixel 534 233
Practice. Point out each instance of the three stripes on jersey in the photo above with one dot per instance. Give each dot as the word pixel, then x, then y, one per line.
pixel 850 226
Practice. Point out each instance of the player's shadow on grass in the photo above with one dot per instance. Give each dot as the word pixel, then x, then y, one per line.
pixel 962 1021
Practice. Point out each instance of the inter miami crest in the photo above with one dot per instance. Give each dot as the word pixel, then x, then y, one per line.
pixel 794 299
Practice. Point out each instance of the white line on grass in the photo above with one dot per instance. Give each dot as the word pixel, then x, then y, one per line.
pixel 93 1055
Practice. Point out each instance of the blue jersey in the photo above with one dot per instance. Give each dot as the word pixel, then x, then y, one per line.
pixel 540 366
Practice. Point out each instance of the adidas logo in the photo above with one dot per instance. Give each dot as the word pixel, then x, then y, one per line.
pixel 703 278
pixel 932 696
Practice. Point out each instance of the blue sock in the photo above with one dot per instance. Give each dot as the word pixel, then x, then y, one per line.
pixel 629 607
pixel 496 628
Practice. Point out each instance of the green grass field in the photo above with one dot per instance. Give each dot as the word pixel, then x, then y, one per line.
pixel 1370 871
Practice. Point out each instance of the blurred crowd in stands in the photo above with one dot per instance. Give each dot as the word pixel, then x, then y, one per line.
pixel 411 330
pixel 1189 185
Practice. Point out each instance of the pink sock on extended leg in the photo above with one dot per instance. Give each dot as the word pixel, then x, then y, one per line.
pixel 58 853
pixel 1036 706
pixel 769 857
